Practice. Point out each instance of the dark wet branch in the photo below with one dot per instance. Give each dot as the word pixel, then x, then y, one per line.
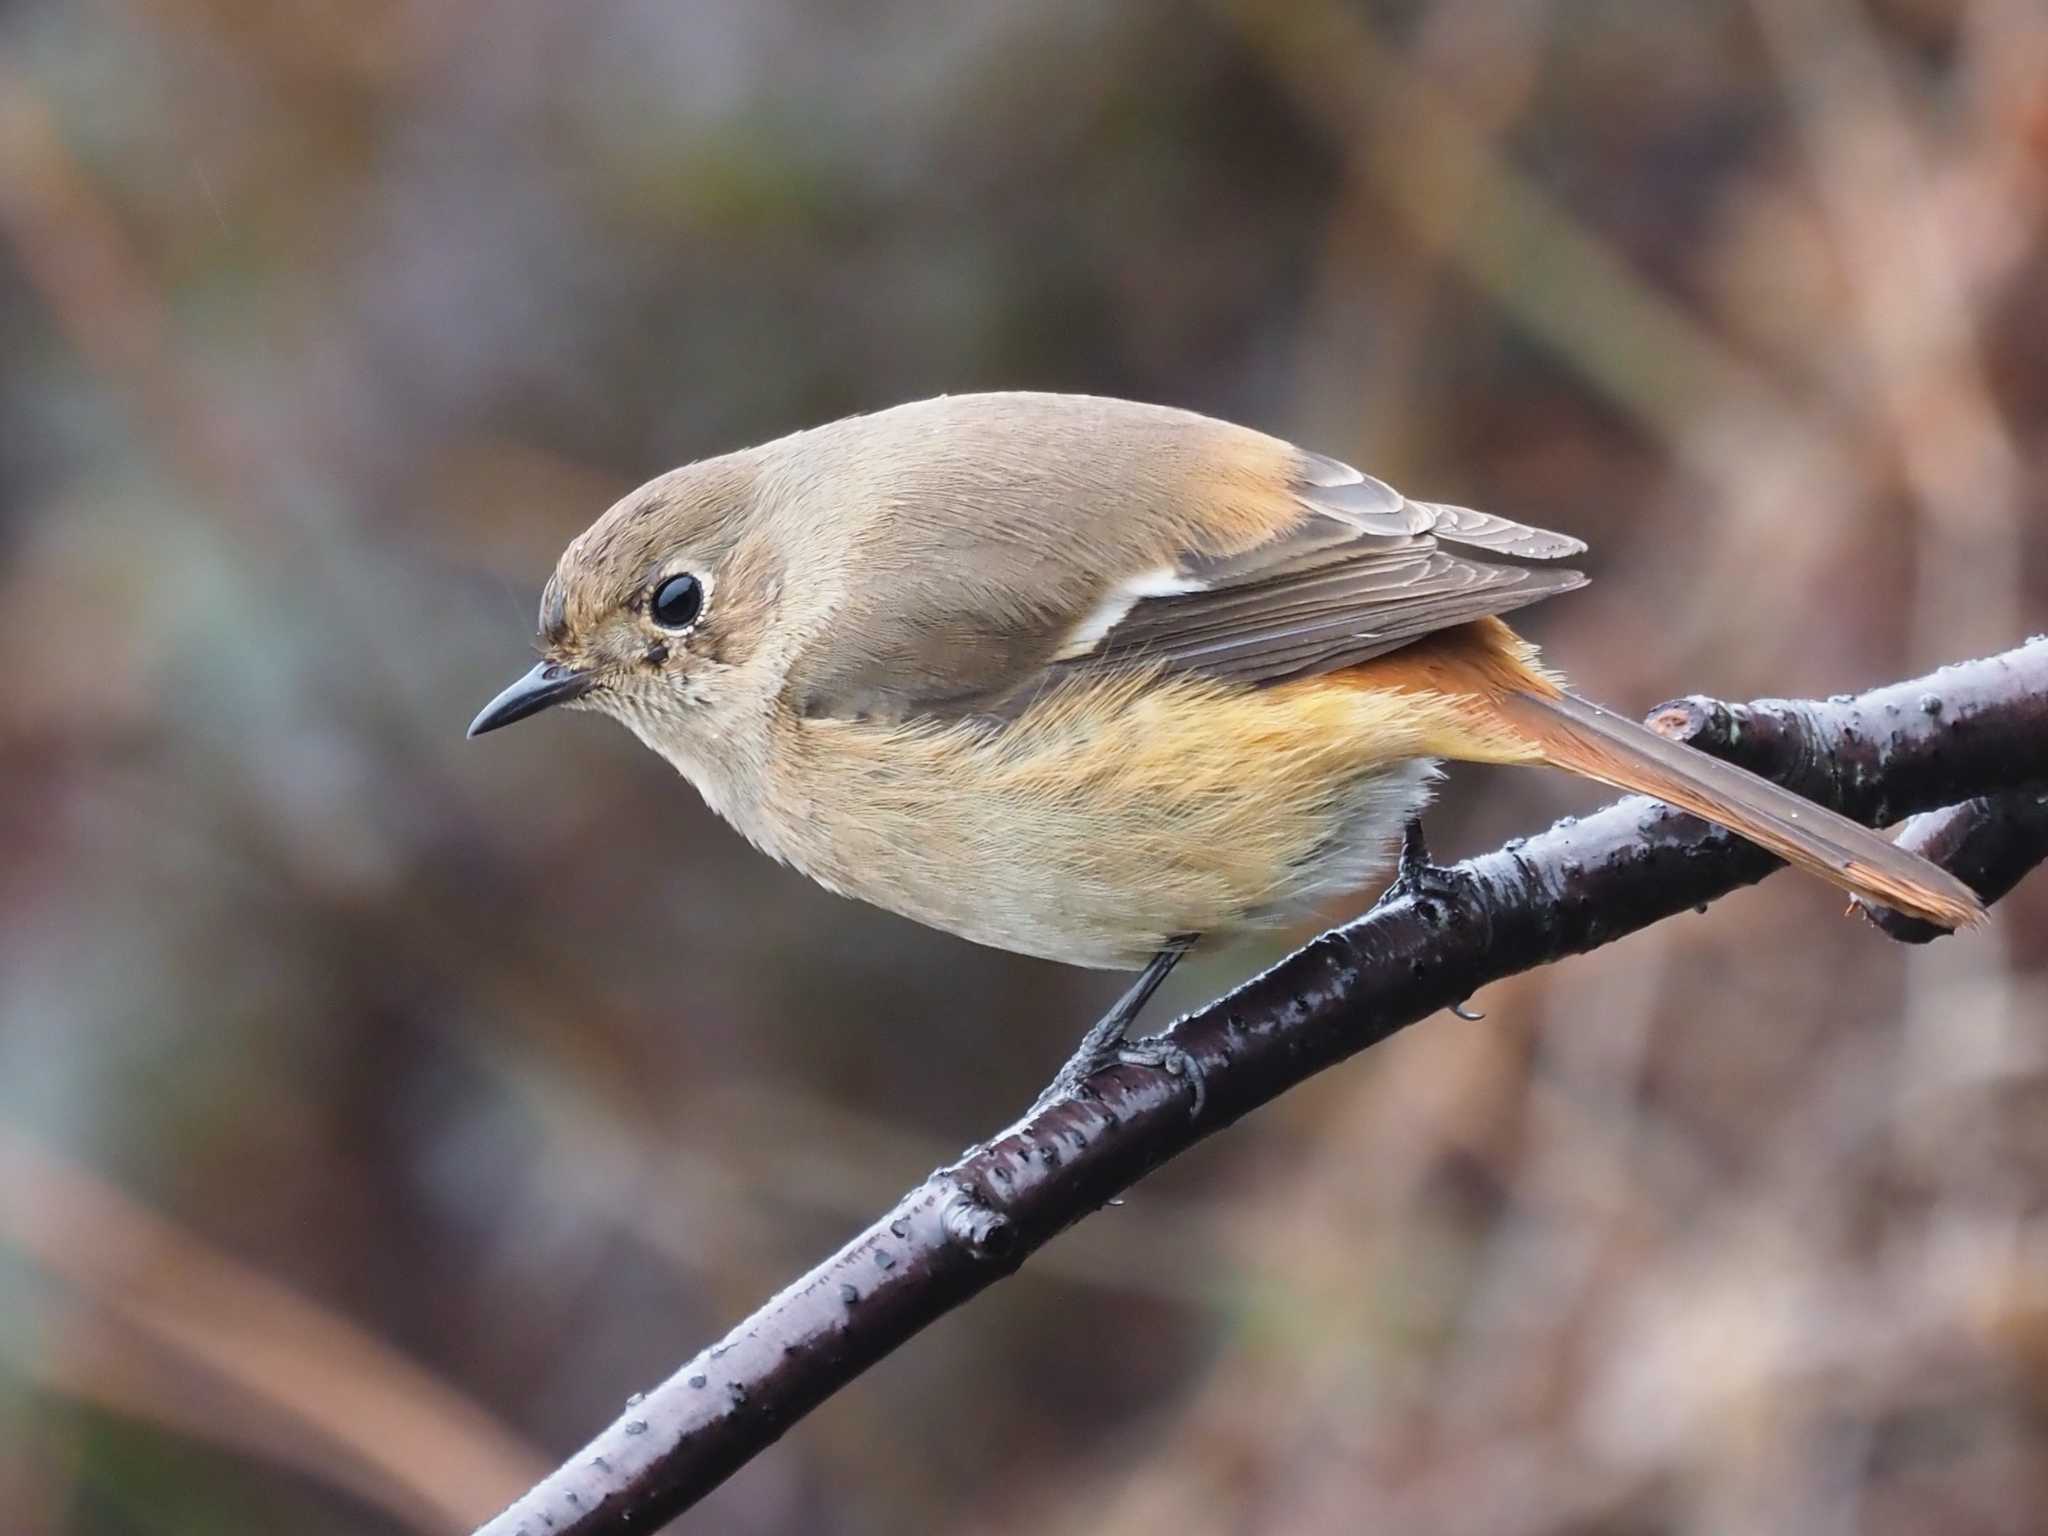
pixel 1974 732
pixel 1883 755
pixel 1990 843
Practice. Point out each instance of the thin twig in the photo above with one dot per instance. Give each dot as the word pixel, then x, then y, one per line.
pixel 1970 730
pixel 1990 843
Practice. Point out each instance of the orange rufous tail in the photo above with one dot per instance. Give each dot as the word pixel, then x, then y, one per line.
pixel 1494 672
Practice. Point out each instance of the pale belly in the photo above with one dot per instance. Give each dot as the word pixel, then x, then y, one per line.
pixel 1096 829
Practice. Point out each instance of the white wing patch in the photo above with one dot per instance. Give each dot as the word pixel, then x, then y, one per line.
pixel 1122 598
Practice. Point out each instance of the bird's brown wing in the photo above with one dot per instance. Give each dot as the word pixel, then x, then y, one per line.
pixel 1064 535
pixel 1369 599
pixel 1363 571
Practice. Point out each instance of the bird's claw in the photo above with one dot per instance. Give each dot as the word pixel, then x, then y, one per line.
pixel 1161 1054
pixel 1154 1051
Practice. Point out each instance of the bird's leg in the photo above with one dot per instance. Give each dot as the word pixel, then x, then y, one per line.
pixel 1422 880
pixel 1106 1043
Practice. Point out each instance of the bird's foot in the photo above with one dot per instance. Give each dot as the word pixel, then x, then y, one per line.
pixel 1161 1054
pixel 1071 1081
pixel 1430 886
pixel 1418 877
pixel 1106 1043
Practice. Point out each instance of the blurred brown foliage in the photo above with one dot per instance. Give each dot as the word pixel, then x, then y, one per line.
pixel 378 1109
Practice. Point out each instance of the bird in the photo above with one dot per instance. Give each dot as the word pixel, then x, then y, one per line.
pixel 1097 680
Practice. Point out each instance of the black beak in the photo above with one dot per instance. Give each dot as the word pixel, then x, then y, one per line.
pixel 546 684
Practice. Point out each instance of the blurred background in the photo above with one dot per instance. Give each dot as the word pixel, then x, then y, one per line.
pixel 379 1109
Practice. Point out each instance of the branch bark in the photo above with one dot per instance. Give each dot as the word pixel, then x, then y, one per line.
pixel 1976 732
pixel 1989 842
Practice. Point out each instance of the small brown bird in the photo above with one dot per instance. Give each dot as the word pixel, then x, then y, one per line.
pixel 1092 680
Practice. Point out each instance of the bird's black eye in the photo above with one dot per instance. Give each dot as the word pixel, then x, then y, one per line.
pixel 678 601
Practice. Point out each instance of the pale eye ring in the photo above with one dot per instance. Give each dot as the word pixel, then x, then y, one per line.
pixel 677 601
